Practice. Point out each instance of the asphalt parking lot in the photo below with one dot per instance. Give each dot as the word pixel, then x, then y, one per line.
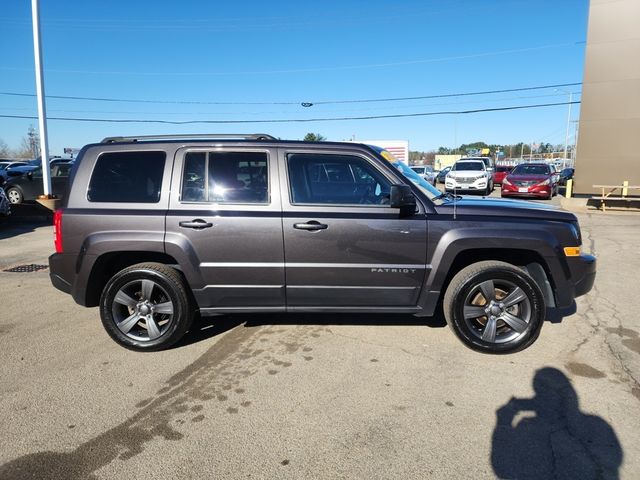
pixel 313 396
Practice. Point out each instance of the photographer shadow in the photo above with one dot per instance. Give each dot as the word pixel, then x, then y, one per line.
pixel 547 436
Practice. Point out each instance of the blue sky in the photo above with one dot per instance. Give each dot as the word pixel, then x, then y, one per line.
pixel 292 52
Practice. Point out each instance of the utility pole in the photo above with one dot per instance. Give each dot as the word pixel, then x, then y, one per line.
pixel 531 152
pixel 566 137
pixel 42 112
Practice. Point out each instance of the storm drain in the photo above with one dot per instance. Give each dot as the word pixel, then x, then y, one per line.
pixel 32 267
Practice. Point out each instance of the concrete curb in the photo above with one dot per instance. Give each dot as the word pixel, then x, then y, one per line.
pixel 574 204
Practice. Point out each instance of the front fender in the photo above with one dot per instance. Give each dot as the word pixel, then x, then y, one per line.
pixel 453 242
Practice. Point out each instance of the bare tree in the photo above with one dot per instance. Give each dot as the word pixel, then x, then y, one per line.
pixel 30 145
pixel 5 152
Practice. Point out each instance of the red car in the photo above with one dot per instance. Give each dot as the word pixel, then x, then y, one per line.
pixel 500 172
pixel 538 180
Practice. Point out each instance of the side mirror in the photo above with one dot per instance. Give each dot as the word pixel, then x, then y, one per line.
pixel 401 196
pixel 30 175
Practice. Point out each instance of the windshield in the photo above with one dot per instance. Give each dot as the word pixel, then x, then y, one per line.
pixel 425 187
pixel 468 166
pixel 531 170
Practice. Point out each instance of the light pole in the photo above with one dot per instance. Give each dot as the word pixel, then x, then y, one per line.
pixel 566 136
pixel 42 112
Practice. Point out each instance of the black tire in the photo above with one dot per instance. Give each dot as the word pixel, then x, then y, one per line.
pixel 14 195
pixel 150 330
pixel 465 294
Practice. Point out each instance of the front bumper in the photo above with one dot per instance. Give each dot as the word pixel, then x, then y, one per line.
pixel 536 191
pixel 477 186
pixel 574 279
pixel 583 273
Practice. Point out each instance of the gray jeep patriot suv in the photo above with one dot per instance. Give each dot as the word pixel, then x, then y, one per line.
pixel 155 229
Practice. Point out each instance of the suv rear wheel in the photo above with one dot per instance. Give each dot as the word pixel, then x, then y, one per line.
pixel 494 307
pixel 146 307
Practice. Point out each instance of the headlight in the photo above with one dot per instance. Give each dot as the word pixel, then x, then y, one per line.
pixel 546 182
pixel 505 181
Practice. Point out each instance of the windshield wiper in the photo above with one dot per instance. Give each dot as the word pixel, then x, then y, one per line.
pixel 448 195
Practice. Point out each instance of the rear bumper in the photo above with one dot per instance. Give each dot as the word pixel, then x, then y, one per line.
pixel 61 272
pixel 60 283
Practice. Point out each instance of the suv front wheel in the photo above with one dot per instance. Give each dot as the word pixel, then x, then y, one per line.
pixel 494 307
pixel 146 307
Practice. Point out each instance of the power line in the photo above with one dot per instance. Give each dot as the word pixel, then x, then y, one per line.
pixel 297 120
pixel 311 69
pixel 447 95
pixel 351 110
pixel 325 102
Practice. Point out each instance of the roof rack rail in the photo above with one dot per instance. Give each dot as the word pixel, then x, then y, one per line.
pixel 202 136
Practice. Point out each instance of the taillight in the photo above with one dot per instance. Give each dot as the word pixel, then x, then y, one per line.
pixel 57 230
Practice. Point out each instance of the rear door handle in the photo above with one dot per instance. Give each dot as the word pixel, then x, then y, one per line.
pixel 311 225
pixel 198 224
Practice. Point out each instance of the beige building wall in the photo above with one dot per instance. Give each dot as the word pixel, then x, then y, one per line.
pixel 443 161
pixel 608 149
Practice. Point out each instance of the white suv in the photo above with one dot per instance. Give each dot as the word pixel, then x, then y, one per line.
pixel 469 176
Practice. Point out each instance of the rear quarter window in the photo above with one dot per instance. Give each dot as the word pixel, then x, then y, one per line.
pixel 121 177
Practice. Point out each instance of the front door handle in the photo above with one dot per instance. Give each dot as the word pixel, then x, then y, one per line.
pixel 198 224
pixel 311 225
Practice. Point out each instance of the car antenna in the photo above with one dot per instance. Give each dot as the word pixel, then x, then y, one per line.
pixel 455 195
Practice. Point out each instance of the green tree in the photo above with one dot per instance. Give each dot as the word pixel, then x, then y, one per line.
pixel 314 137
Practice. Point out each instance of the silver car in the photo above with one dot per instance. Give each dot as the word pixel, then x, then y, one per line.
pixel 426 172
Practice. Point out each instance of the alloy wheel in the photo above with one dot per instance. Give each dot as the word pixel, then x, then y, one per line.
pixel 497 311
pixel 142 310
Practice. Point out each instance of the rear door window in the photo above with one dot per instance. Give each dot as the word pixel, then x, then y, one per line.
pixel 127 177
pixel 225 177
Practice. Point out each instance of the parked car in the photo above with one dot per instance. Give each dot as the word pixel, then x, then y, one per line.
pixel 488 162
pixel 566 174
pixel 442 174
pixel 7 166
pixel 53 160
pixel 29 186
pixel 426 172
pixel 500 172
pixel 5 209
pixel 469 176
pixel 538 180
pixel 20 170
pixel 156 229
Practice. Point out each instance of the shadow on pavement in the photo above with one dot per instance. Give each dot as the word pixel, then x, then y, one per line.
pixel 556 314
pixel 24 218
pixel 208 327
pixel 356 319
pixel 547 436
